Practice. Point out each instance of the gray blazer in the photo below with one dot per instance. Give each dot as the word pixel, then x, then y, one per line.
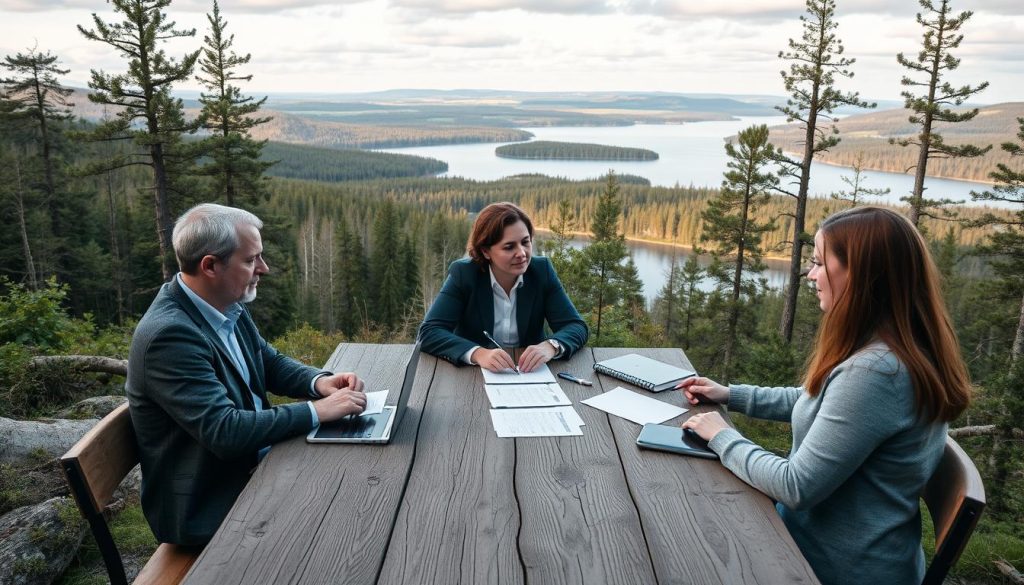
pixel 195 422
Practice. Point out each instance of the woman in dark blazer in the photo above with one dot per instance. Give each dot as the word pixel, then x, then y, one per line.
pixel 502 291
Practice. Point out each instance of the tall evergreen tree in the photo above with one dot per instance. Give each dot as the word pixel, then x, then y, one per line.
pixel 386 278
pixel 1006 244
pixel 35 88
pixel 604 256
pixel 235 164
pixel 817 59
pixel 857 190
pixel 933 105
pixel 730 225
pixel 143 95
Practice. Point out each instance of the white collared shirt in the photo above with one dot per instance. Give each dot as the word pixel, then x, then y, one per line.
pixel 506 329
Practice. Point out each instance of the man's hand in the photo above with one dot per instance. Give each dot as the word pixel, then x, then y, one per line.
pixel 327 385
pixel 340 403
pixel 535 355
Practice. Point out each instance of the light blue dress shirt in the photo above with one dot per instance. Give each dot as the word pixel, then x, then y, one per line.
pixel 224 324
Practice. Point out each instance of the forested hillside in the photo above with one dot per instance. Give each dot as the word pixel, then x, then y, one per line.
pixel 865 138
pixel 300 130
pixel 294 161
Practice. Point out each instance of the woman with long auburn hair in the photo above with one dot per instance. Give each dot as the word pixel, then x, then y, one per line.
pixel 500 297
pixel 869 423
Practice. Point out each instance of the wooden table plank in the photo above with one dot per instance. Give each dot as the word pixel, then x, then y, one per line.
pixel 703 524
pixel 459 519
pixel 305 501
pixel 579 523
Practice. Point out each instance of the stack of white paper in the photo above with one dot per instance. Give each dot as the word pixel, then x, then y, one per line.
pixel 525 395
pixel 562 421
pixel 530 404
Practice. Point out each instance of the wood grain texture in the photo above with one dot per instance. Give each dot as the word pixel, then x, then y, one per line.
pixel 579 523
pixel 322 513
pixel 703 525
pixel 104 455
pixel 449 502
pixel 459 520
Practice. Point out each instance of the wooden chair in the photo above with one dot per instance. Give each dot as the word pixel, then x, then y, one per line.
pixel 955 498
pixel 94 468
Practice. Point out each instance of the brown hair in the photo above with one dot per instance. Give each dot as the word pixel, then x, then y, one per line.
pixel 490 225
pixel 892 294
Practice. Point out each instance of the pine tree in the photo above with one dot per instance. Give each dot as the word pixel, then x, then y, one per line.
pixel 1006 244
pixel 856 183
pixel 817 59
pixel 604 256
pixel 235 166
pixel 730 225
pixel 35 88
pixel 386 279
pixel 933 62
pixel 143 95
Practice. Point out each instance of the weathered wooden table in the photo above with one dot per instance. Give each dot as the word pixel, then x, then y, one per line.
pixel 449 502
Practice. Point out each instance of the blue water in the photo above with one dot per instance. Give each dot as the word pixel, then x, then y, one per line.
pixel 690 154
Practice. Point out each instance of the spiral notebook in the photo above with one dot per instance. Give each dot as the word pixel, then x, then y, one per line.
pixel 643 372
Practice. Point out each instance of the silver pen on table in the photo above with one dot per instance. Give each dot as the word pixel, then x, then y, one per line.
pixel 498 346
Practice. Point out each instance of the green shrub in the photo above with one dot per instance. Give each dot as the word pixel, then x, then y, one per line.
pixel 308 345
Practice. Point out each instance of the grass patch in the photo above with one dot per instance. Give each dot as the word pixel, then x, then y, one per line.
pixel 133 538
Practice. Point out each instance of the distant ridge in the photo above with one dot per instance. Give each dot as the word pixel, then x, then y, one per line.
pixel 867 136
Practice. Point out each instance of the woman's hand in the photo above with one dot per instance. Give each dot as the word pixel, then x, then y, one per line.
pixel 698 389
pixel 706 424
pixel 535 355
pixel 494 360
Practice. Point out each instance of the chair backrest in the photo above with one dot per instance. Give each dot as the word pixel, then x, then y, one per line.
pixel 94 467
pixel 955 498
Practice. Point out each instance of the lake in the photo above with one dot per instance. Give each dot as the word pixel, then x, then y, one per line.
pixel 690 154
pixel 654 260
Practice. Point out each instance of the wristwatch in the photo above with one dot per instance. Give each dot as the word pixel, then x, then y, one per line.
pixel 555 344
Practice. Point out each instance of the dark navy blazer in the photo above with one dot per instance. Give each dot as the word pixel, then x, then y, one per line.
pixel 464 309
pixel 195 422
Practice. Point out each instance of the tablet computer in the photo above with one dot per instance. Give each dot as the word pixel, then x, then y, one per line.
pixel 674 440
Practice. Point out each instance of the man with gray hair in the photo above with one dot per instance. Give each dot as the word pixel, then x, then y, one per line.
pixel 198 376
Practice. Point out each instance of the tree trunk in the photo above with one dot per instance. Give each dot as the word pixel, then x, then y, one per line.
pixel 30 266
pixel 1018 340
pixel 164 226
pixel 85 363
pixel 917 198
pixel 116 266
pixel 797 257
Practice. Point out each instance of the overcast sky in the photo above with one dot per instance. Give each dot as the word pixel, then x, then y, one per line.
pixel 720 46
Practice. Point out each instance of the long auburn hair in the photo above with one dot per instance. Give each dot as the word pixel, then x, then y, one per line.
pixel 891 294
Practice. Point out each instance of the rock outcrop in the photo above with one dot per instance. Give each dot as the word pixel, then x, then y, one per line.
pixel 37 543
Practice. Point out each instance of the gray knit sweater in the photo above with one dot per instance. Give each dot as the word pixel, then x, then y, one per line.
pixel 849 490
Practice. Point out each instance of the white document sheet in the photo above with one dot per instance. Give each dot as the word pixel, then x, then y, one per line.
pixel 375 402
pixel 536 422
pixel 525 395
pixel 632 406
pixel 542 375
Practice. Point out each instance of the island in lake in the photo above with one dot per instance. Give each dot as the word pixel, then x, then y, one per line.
pixel 547 150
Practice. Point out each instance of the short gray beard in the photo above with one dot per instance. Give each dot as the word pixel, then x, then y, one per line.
pixel 249 296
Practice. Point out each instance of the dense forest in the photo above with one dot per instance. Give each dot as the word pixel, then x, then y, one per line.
pixel 304 130
pixel 548 150
pixel 294 161
pixel 358 242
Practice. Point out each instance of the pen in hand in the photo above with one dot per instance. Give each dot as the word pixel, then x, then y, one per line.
pixel 498 346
